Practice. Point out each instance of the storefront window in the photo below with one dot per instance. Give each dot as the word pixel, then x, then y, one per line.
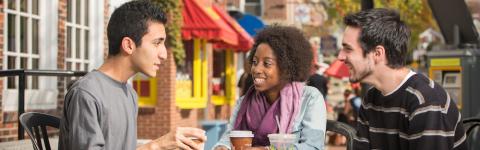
pixel 146 89
pixel 22 40
pixel 253 7
pixel 184 76
pixel 192 77
pixel 25 49
pixel 77 38
pixel 223 80
pixel 218 79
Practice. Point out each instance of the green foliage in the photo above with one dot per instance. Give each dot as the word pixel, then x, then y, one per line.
pixel 173 8
pixel 416 14
pixel 337 9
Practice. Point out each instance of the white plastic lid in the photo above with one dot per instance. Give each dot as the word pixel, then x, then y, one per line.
pixel 241 133
pixel 282 136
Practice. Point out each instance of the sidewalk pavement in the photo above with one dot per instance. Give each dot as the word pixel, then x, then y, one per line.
pixel 25 144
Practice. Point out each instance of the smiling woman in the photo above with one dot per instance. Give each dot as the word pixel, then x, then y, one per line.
pixel 281 60
pixel 265 72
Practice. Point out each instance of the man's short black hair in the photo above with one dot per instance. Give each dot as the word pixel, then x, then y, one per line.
pixel 131 20
pixel 382 27
pixel 292 49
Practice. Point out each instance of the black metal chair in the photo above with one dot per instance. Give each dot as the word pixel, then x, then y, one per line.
pixel 472 130
pixel 36 127
pixel 343 129
pixel 470 123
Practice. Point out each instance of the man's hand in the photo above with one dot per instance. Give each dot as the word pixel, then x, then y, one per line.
pixel 221 148
pixel 179 138
pixel 184 136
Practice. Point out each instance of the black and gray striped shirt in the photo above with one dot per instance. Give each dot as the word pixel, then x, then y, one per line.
pixel 418 116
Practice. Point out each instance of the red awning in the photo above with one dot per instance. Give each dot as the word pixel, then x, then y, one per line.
pixel 203 22
pixel 245 41
pixel 338 69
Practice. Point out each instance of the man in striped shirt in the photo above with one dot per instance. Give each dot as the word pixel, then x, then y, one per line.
pixel 403 110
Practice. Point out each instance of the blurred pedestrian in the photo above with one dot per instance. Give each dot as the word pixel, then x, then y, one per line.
pixel 317 80
pixel 356 100
pixel 345 115
pixel 246 80
pixel 320 82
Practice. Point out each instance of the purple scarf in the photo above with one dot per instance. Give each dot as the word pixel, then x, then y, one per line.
pixel 257 115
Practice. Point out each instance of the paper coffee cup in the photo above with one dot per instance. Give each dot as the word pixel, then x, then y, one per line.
pixel 241 139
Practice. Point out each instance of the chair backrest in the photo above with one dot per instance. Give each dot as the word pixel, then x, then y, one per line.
pixel 470 124
pixel 343 129
pixel 35 125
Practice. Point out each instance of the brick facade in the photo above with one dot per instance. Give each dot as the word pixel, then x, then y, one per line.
pixel 166 116
pixel 2 15
pixel 62 20
pixel 8 131
pixel 274 10
pixel 156 121
pixel 105 20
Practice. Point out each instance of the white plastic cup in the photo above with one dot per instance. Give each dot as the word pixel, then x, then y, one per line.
pixel 282 141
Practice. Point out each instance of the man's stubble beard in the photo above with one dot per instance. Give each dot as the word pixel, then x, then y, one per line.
pixel 368 71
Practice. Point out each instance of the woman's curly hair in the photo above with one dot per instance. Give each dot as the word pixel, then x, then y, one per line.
pixel 292 49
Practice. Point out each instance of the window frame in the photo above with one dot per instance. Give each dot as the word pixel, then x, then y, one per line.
pixel 83 28
pixel 230 81
pixel 199 80
pixel 48 45
pixel 260 4
pixel 17 54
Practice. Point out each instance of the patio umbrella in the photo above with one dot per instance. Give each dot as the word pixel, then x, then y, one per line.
pixel 338 69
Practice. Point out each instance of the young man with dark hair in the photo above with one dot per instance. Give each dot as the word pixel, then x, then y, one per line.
pixel 100 110
pixel 403 110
